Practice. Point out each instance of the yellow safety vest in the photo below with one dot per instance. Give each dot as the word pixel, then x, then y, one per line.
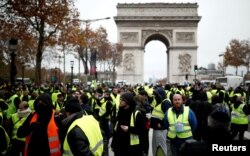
pixel 238 116
pixel 31 105
pixel 209 96
pixel 54 96
pixel 116 101
pixel 168 93
pixel 134 138
pixel 57 106
pixel 157 112
pixel 91 128
pixel 173 122
pixel 17 123
pixel 102 108
pixel 12 108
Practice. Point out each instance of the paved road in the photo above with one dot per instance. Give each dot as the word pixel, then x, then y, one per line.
pixel 247 137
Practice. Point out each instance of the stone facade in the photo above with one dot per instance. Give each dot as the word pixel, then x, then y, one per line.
pixel 174 24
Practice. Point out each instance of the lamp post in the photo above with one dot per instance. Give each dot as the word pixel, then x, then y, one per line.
pixel 72 66
pixel 223 64
pixel 12 46
pixel 59 62
pixel 23 67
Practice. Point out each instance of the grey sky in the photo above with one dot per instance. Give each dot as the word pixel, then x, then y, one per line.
pixel 222 20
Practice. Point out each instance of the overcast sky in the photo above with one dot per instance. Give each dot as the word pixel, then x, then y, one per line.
pixel 222 20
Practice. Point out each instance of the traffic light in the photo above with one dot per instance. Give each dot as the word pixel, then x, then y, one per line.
pixel 195 68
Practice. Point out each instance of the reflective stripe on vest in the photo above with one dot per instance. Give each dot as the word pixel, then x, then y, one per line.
pixel 91 128
pixel 134 138
pixel 157 112
pixel 183 119
pixel 238 116
pixel 53 138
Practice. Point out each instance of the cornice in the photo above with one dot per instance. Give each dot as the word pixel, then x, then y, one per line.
pixel 157 18
pixel 157 5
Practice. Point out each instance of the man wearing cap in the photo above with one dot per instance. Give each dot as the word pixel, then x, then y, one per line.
pixel 83 134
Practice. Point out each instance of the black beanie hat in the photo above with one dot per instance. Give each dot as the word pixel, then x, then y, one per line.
pixel 73 105
pixel 219 118
pixel 128 98
pixel 45 98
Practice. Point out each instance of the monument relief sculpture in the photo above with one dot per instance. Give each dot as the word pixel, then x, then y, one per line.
pixel 129 63
pixel 185 37
pixel 185 63
pixel 129 37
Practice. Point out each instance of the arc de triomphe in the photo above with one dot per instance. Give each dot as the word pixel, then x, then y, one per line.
pixel 174 24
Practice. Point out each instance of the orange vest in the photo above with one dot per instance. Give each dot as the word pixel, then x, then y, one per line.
pixel 53 138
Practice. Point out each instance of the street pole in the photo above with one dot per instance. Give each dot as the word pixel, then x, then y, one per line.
pixel 72 66
pixel 23 73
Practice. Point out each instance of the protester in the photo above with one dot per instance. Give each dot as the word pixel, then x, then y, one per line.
pixel 18 119
pixel 239 119
pixel 181 123
pixel 40 129
pixel 129 126
pixel 159 140
pixel 83 135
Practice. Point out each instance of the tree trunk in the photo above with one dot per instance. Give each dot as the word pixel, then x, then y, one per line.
pixel 85 62
pixel 39 54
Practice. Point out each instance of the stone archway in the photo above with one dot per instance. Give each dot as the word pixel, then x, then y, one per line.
pixel 174 24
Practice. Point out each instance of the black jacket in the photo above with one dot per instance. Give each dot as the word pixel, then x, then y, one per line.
pixel 121 140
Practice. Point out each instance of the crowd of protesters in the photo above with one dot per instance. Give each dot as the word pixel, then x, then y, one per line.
pixel 56 119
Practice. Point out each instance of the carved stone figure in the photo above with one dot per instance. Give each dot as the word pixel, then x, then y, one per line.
pixel 185 63
pixel 129 62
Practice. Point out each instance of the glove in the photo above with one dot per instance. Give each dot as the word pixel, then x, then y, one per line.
pixel 35 126
pixel 148 115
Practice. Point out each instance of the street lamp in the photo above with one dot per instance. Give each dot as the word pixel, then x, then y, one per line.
pixel 223 64
pixel 12 47
pixel 72 66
